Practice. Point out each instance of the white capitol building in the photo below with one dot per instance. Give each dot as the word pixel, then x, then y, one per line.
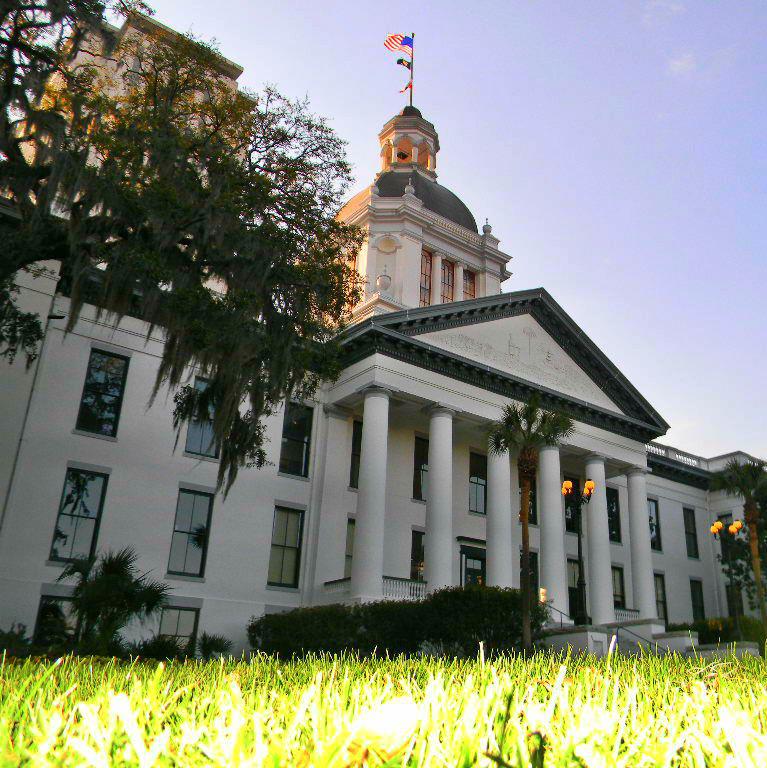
pixel 381 487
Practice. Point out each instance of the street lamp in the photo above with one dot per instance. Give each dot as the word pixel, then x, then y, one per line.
pixel 580 499
pixel 732 529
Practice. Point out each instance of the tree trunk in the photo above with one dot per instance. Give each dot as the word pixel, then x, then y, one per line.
pixel 752 520
pixel 524 514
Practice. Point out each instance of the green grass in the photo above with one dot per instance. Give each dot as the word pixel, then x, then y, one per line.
pixel 544 711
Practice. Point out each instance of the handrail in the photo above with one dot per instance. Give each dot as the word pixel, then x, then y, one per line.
pixel 562 614
pixel 628 631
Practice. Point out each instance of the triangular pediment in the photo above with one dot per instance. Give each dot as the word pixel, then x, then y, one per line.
pixel 520 346
pixel 515 344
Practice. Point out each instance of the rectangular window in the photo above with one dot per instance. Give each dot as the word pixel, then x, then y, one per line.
pixel 660 597
pixel 354 469
pixel 79 514
pixel 469 285
pixel 199 434
pixel 478 483
pixel 690 532
pixel 472 565
pixel 534 583
pixel 416 555
pixel 421 469
pixel 191 529
pixel 571 505
pixel 613 514
pixel 56 622
pixel 349 551
pixel 425 298
pixel 102 393
pixel 696 596
pixel 619 589
pixel 285 557
pixel 448 281
pixel 296 440
pixel 180 624
pixel 532 512
pixel 654 515
pixel 572 587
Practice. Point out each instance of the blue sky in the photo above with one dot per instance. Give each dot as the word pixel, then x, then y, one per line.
pixel 618 149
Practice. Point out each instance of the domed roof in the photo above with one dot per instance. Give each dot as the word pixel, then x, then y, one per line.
pixel 434 196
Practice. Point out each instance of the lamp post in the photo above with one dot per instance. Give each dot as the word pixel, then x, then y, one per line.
pixel 733 529
pixel 580 499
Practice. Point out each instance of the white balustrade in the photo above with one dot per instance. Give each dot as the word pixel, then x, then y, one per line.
pixel 403 589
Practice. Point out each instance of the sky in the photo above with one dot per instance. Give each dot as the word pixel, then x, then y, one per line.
pixel 618 150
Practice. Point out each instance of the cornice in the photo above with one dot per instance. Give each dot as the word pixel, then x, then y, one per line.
pixel 678 472
pixel 370 338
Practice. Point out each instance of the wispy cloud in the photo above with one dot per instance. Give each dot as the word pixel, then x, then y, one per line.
pixel 682 65
pixel 655 11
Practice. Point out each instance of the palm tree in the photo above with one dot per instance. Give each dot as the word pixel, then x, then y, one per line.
pixel 108 594
pixel 749 481
pixel 524 429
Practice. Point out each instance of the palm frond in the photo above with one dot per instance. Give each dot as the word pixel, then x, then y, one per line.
pixel 747 479
pixel 527 426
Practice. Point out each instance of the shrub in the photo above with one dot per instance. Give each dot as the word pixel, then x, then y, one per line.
pixel 452 620
pixel 15 641
pixel 723 630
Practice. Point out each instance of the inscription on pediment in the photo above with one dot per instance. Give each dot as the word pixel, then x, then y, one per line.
pixel 519 345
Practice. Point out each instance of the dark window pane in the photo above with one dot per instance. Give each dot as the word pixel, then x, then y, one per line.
pixel 354 471
pixel 690 532
pixel 56 622
pixel 473 565
pixel 571 505
pixel 102 393
pixel 285 554
pixel 296 440
pixel 349 551
pixel 619 590
pixel 79 513
pixel 613 514
pixel 189 545
pixel 654 515
pixel 421 469
pixel 469 285
pixel 478 483
pixel 199 434
pixel 696 595
pixel 425 286
pixel 179 624
pixel 416 555
pixel 660 597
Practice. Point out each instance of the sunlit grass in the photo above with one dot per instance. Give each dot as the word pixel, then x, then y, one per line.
pixel 544 711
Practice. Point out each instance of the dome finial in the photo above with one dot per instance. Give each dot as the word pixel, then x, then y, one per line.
pixel 409 188
pixel 487 229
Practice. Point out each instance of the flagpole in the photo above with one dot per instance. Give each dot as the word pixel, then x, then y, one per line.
pixel 412 68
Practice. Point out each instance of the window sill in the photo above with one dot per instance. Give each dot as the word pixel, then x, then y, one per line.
pixel 83 433
pixel 200 457
pixel 418 501
pixel 616 543
pixel 293 477
pixel 483 515
pixel 57 563
pixel 353 489
pixel 281 588
pixel 183 577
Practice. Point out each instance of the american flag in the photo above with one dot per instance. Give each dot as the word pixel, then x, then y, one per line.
pixel 402 43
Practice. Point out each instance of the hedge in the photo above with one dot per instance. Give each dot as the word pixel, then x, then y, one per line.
pixel 723 630
pixel 452 620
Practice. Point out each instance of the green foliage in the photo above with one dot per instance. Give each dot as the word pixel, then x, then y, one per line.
pixel 453 620
pixel 204 209
pixel 211 646
pixel 724 630
pixel 15 641
pixel 157 647
pixel 345 712
pixel 108 594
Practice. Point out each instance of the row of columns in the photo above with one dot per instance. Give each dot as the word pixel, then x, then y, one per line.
pixel 502 510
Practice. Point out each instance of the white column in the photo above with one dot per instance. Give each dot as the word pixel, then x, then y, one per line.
pixel 551 520
pixel 438 539
pixel 600 575
pixel 642 577
pixel 499 520
pixel 458 277
pixel 414 153
pixel 367 564
pixel 436 278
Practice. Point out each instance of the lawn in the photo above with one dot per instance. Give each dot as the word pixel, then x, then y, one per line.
pixel 548 710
